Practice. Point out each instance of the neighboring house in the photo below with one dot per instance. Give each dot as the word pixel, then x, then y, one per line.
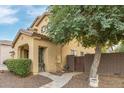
pixel 5 49
pixel 34 44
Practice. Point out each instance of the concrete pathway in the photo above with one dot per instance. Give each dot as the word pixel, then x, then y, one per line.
pixel 3 67
pixel 58 81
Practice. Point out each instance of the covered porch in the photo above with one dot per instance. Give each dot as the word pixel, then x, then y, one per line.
pixel 44 54
pixel 36 54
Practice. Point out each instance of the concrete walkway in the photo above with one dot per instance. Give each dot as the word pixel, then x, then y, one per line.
pixel 58 81
pixel 3 67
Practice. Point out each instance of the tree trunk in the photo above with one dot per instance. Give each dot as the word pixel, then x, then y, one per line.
pixel 95 64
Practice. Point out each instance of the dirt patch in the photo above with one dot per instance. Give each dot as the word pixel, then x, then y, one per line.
pixel 105 81
pixel 8 80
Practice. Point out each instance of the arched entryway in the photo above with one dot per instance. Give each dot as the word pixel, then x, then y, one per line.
pixel 24 51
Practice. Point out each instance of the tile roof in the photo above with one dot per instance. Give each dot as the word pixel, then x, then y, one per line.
pixel 29 33
pixel 39 18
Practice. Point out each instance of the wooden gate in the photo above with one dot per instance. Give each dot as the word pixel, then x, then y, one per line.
pixel 75 63
pixel 79 64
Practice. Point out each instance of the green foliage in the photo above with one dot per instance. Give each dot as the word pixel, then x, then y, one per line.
pixel 20 67
pixel 120 48
pixel 90 25
pixel 104 50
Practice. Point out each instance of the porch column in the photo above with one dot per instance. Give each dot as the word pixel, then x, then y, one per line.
pixel 18 54
pixel 33 55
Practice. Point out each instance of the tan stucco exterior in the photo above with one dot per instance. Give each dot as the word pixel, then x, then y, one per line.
pixel 50 54
pixel 74 45
pixel 54 55
pixel 41 21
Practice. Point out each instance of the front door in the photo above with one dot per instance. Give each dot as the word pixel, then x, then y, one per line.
pixel 41 60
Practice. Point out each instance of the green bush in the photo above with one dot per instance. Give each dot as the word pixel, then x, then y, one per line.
pixel 21 67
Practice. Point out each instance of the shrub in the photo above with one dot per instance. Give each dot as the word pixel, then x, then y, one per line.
pixel 21 67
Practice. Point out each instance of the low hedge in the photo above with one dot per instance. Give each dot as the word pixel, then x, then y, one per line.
pixel 21 67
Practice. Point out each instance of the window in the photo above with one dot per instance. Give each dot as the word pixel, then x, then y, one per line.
pixel 73 52
pixel 44 28
pixel 82 53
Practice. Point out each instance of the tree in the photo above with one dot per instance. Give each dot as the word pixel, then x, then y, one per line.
pixel 92 26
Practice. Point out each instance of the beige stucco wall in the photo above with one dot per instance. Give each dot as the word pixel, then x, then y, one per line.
pixel 52 52
pixel 74 45
pixel 22 40
pixel 4 52
pixel 43 23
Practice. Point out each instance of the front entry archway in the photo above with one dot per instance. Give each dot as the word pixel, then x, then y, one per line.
pixel 24 51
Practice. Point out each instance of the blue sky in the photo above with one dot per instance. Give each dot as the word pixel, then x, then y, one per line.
pixel 13 18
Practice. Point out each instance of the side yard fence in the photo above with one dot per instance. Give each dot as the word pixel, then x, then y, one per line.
pixel 110 63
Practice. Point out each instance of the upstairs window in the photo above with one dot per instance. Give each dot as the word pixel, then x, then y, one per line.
pixel 44 28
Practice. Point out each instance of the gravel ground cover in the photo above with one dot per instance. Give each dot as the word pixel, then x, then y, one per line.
pixel 9 80
pixel 105 81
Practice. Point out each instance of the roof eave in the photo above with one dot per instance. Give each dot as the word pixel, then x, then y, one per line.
pixel 29 34
pixel 41 18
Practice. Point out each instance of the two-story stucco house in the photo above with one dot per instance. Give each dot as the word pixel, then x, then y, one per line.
pixel 5 49
pixel 33 43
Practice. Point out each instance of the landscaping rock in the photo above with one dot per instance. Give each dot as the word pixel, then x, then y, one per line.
pixel 9 80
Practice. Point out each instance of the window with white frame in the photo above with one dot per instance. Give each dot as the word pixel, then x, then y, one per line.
pixel 73 52
pixel 82 53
